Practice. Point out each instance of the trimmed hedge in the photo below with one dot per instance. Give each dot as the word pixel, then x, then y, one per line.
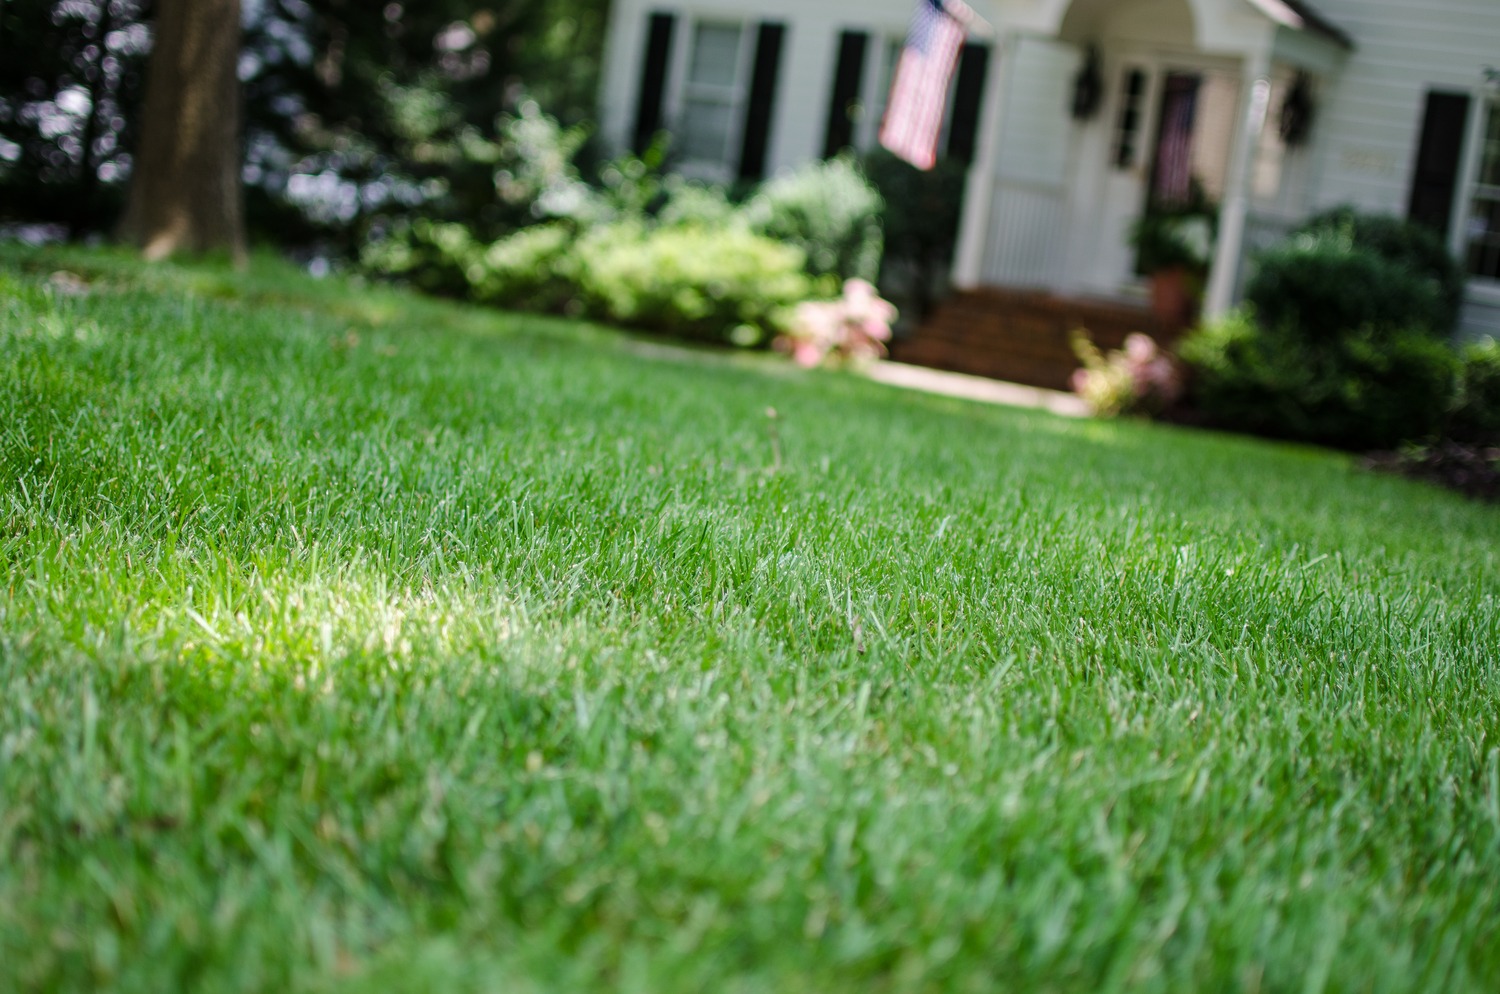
pixel 726 285
pixel 1360 390
pixel 1476 407
pixel 531 270
pixel 1319 287
pixel 1413 247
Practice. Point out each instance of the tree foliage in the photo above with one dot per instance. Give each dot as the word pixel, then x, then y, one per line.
pixel 362 111
pixel 354 112
pixel 71 77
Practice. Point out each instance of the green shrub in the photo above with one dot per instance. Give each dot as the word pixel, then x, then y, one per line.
pixel 631 186
pixel 830 211
pixel 722 285
pixel 430 255
pixel 535 175
pixel 1412 246
pixel 1321 286
pixel 1360 390
pixel 690 203
pixel 1476 408
pixel 530 270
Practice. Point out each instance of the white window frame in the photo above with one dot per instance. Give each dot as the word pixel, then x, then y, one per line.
pixel 1486 101
pixel 682 89
pixel 882 52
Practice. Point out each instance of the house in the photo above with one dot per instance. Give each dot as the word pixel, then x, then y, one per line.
pixel 1075 115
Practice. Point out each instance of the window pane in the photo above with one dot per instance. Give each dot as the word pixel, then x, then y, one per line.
pixel 705 130
pixel 1484 238
pixel 1489 169
pixel 716 52
pixel 1128 124
pixel 1484 207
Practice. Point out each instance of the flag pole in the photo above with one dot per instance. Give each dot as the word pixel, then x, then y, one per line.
pixel 979 27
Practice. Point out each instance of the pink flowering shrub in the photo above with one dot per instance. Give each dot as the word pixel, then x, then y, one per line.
pixel 1139 379
pixel 853 328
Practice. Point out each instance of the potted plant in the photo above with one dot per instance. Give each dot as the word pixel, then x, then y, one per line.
pixel 1174 246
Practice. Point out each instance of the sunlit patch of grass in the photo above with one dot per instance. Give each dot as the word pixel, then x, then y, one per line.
pixel 356 641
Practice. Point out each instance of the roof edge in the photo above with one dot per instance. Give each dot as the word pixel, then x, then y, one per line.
pixel 1297 15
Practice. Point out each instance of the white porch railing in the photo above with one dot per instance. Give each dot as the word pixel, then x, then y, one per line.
pixel 1026 235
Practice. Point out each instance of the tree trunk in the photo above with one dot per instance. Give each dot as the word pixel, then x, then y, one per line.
pixel 185 191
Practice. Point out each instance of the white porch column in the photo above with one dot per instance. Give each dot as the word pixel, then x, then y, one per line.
pixel 979 187
pixel 1232 212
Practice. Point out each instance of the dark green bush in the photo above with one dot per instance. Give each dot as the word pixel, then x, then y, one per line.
pixel 1412 246
pixel 1360 390
pixel 830 211
pixel 921 225
pixel 1321 286
pixel 1476 408
pixel 921 207
pixel 726 285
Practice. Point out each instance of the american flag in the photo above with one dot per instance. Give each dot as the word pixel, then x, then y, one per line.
pixel 1174 149
pixel 919 93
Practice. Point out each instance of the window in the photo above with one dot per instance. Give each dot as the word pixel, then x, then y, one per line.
pixel 1482 233
pixel 1128 123
pixel 890 58
pixel 713 95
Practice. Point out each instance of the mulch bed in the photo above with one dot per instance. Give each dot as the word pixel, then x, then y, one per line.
pixel 1470 469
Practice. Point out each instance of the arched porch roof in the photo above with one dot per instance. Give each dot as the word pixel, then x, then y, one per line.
pixel 1226 26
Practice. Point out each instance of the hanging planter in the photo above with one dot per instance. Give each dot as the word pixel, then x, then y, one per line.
pixel 1088 87
pixel 1297 111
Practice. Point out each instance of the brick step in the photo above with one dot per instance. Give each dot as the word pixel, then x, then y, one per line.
pixel 1022 336
pixel 1054 374
pixel 1052 345
pixel 968 319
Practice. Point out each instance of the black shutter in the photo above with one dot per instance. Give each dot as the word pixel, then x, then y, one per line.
pixel 968 97
pixel 762 102
pixel 848 81
pixel 1435 179
pixel 654 64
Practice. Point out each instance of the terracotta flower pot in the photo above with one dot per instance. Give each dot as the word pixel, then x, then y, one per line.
pixel 1174 296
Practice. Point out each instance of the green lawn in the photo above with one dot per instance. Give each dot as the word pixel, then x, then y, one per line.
pixel 352 641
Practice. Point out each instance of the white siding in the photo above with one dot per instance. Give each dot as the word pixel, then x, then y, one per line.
pixel 807 61
pixel 1372 113
pixel 1371 117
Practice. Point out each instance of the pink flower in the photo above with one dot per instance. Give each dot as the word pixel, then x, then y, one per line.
pixel 852 327
pixel 1139 348
pixel 807 353
pixel 1137 378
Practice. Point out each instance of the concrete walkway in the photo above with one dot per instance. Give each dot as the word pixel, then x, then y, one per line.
pixel 898 374
pixel 895 374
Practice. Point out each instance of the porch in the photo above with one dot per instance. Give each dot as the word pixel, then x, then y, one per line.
pixel 1105 111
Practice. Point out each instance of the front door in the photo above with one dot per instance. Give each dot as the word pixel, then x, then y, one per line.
pixel 1170 130
pixel 1128 158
